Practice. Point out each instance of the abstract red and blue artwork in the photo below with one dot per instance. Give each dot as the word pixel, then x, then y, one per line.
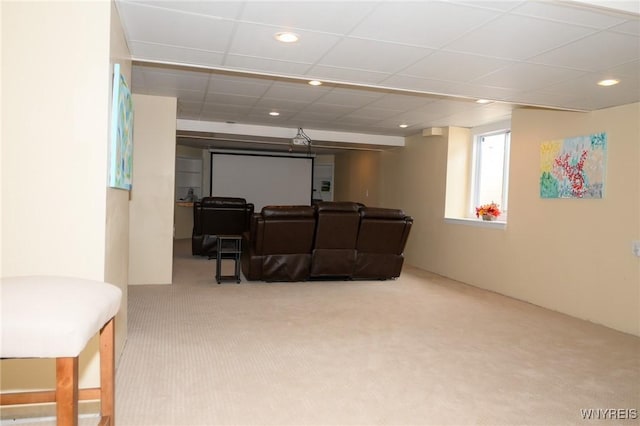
pixel 573 167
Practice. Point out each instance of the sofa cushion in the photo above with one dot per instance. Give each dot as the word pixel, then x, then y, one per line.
pixel 232 202
pixel 381 213
pixel 337 206
pixel 287 212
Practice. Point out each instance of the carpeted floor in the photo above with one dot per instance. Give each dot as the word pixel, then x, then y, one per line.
pixel 420 350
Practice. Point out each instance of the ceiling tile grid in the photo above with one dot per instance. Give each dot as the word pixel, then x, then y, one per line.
pixel 384 63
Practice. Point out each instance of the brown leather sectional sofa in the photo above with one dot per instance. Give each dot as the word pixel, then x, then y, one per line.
pixel 331 240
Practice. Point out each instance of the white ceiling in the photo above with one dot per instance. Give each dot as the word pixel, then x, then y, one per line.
pixel 383 63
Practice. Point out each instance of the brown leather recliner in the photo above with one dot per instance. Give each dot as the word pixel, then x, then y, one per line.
pixel 381 241
pixel 278 245
pixel 214 216
pixel 334 250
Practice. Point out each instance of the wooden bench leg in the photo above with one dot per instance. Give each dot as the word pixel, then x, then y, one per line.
pixel 67 391
pixel 107 374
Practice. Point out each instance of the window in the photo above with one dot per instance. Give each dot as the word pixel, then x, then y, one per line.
pixel 491 170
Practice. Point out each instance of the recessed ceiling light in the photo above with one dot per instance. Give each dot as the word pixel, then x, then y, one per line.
pixel 483 101
pixel 608 82
pixel 404 126
pixel 274 113
pixel 315 83
pixel 287 37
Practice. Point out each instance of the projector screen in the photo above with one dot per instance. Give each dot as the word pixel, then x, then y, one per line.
pixel 262 179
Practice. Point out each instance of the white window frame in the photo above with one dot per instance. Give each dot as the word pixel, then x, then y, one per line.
pixel 475 175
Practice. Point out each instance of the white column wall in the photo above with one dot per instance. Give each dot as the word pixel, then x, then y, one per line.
pixel 55 101
pixel 152 196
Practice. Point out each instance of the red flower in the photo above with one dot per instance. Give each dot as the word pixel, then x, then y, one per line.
pixel 488 209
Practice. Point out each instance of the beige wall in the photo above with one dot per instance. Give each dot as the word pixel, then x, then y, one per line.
pixel 580 249
pixel 117 226
pixel 572 256
pixel 1 141
pixel 152 197
pixel 55 132
pixel 356 177
pixel 183 216
pixel 459 159
pixel 56 90
pixel 183 222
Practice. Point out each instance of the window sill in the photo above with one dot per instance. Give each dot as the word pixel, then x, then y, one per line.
pixel 495 224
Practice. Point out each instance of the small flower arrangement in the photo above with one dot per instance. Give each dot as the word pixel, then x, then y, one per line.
pixel 488 211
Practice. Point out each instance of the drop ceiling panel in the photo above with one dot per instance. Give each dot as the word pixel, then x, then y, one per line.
pixel 173 28
pixel 351 97
pixel 258 41
pixel 419 28
pixel 222 98
pixel 524 76
pixel 380 59
pixel 300 92
pixel 310 15
pixel 218 116
pixel 188 80
pixel 219 8
pixel 583 89
pixel 419 84
pixel 266 66
pixel 235 86
pixel 401 102
pixel 373 113
pixel 262 118
pixel 319 116
pixel 630 70
pixel 567 14
pixel 325 108
pixel 450 66
pixel 227 108
pixel 261 114
pixel 171 54
pixel 415 117
pixel 323 72
pixel 191 115
pixel 478 91
pixel 389 57
pixel 187 95
pixel 631 27
pixel 276 104
pixel 354 122
pixel 595 52
pixel 517 37
pixel 443 108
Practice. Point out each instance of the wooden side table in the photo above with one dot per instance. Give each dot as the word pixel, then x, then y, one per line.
pixel 228 247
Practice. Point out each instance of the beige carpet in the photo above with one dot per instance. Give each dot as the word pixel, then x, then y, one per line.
pixel 420 350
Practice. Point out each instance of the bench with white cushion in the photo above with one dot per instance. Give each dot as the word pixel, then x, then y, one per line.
pixel 55 317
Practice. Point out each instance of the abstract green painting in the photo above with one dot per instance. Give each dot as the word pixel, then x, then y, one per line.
pixel 121 150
